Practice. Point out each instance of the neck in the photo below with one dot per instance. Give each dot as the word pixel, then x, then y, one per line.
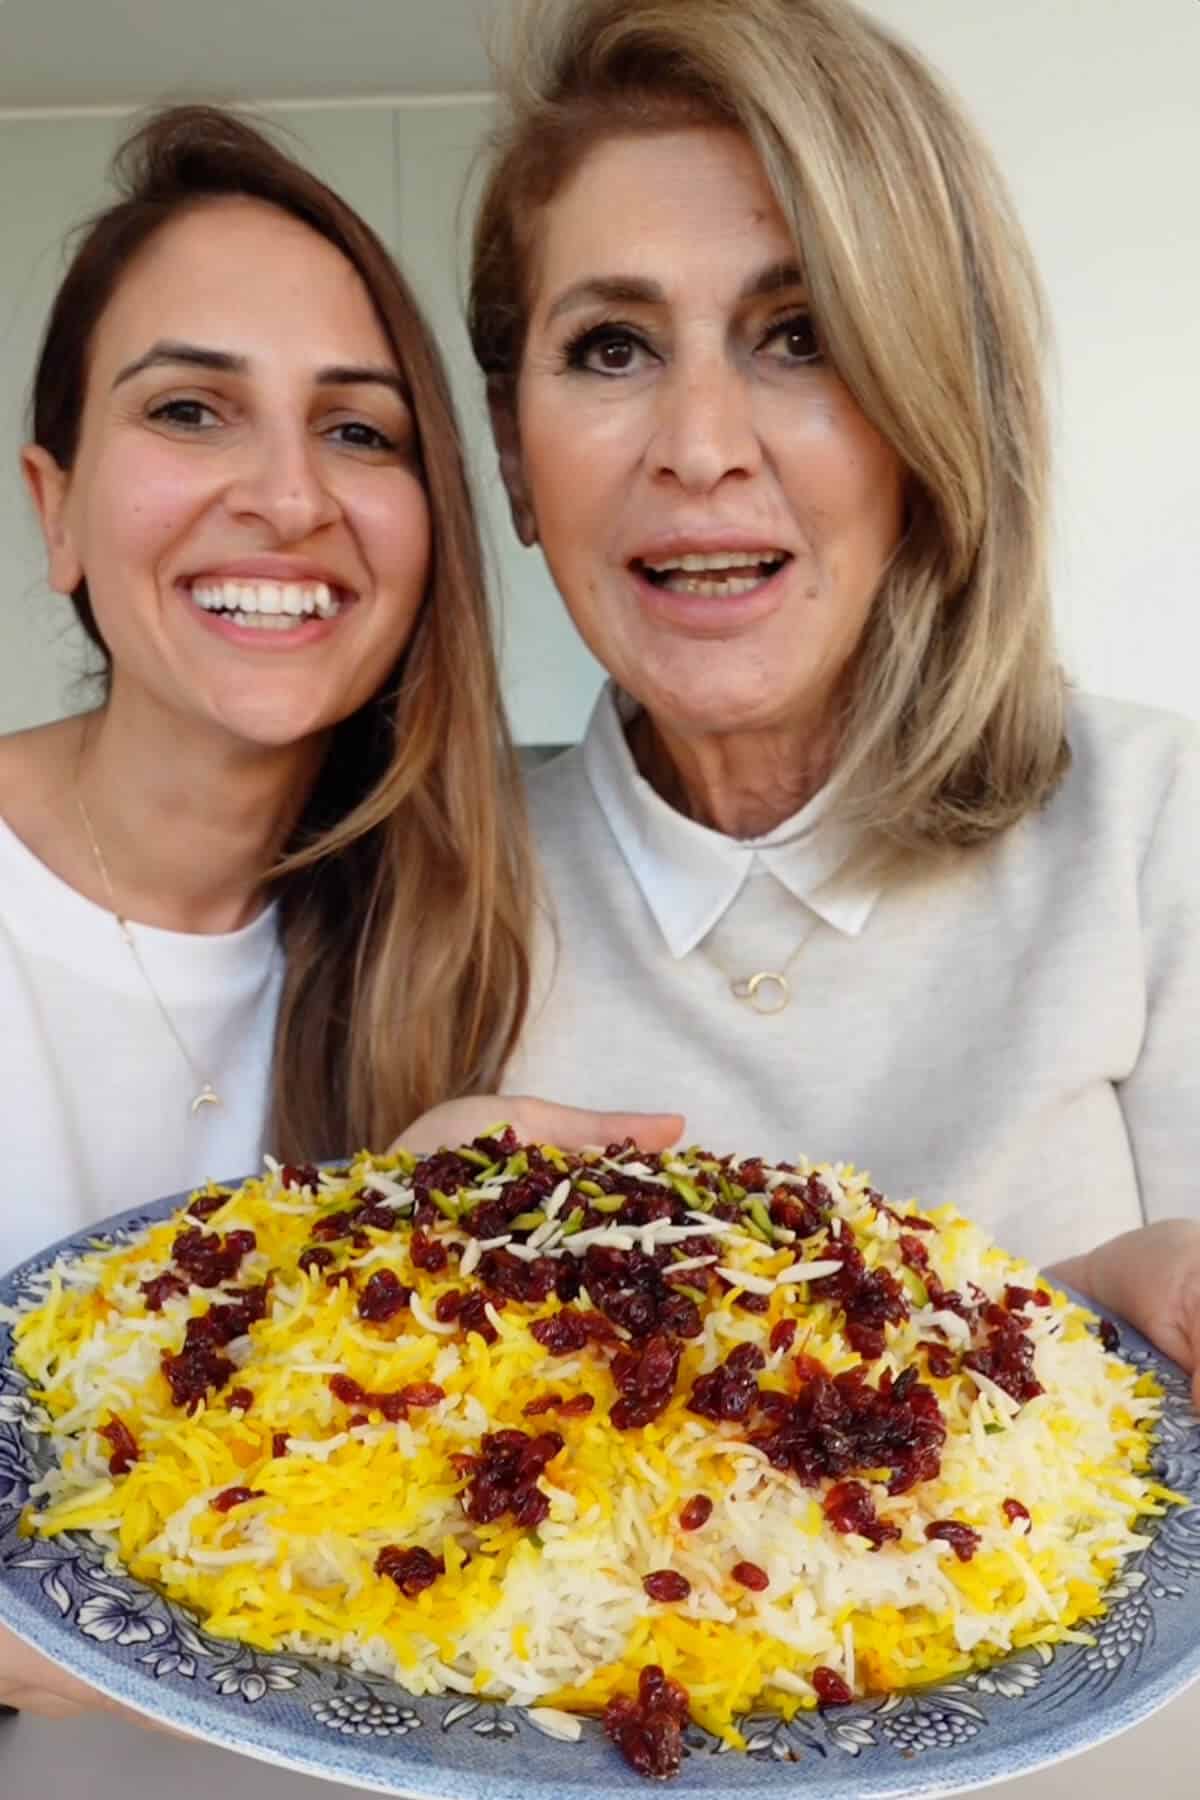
pixel 742 784
pixel 187 829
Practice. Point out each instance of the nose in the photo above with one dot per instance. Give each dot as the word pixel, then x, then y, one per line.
pixel 281 480
pixel 705 427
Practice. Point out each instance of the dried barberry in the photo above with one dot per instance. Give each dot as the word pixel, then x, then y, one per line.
pixel 161 1287
pixel 962 1539
pixel 783 1335
pixel 207 1258
pixel 730 1390
pixel 124 1446
pixel 504 1476
pixel 830 1688
pixel 384 1296
pixel 839 1424
pixel 645 1376
pixel 1006 1354
pixel 313 1258
pixel 427 1253
pixel 413 1570
pixel 235 1496
pixel 667 1586
pixel 205 1205
pixel 300 1175
pixel 696 1512
pixel 848 1506
pixel 649 1730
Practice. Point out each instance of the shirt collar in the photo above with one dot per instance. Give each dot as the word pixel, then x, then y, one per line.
pixel 690 875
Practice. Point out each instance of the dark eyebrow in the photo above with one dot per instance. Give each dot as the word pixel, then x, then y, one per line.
pixel 608 290
pixel 193 355
pixel 197 356
pixel 773 280
pixel 356 375
pixel 633 290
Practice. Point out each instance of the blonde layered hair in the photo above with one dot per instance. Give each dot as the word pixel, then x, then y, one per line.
pixel 404 893
pixel 928 305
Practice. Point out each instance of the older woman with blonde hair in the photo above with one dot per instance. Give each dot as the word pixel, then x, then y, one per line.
pixel 840 865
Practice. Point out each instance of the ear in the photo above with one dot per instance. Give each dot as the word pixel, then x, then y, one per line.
pixel 507 437
pixel 48 486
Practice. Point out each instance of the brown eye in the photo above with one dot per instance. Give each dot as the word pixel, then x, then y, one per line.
pixel 618 354
pixel 192 415
pixel 795 339
pixel 356 434
pixel 606 350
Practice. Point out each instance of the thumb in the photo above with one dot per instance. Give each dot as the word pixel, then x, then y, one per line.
pixel 574 1127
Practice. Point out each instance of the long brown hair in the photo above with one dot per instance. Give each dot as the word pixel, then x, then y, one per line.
pixel 928 305
pixel 404 893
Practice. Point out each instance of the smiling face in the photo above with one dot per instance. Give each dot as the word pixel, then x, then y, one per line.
pixel 245 504
pixel 714 507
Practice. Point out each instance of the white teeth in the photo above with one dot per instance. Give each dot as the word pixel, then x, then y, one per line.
pixel 263 621
pixel 728 589
pixel 267 599
pixel 695 563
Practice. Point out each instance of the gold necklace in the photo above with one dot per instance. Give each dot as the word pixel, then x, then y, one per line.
pixel 767 990
pixel 206 1094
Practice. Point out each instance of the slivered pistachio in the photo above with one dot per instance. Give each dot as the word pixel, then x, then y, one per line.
pixel 478 1157
pixel 607 1203
pixel 699 1198
pixel 528 1221
pixel 517 1164
pixel 572 1222
pixel 447 1204
pixel 762 1218
pixel 590 1189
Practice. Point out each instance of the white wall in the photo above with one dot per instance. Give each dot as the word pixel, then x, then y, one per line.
pixel 1093 108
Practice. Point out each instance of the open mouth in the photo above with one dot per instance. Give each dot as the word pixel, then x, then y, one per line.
pixel 268 605
pixel 720 574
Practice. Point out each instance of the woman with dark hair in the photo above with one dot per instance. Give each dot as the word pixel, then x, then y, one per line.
pixel 840 858
pixel 271 892
pixel 294 817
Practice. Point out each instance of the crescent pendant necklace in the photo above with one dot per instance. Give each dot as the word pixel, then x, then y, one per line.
pixel 206 1094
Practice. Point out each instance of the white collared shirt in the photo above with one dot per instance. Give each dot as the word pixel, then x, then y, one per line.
pixel 1012 1029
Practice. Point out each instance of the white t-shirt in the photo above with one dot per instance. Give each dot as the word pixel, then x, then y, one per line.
pixel 1015 1030
pixel 94 1093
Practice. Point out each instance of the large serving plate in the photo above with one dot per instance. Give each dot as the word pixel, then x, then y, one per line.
pixel 1032 1709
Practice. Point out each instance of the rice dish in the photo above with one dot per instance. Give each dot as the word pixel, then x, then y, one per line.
pixel 648 1437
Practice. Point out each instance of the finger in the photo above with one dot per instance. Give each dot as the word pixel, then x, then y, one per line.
pixel 574 1127
pixel 41 1703
pixel 649 1131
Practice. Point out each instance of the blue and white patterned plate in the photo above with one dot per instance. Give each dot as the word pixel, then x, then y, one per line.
pixel 363 1730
